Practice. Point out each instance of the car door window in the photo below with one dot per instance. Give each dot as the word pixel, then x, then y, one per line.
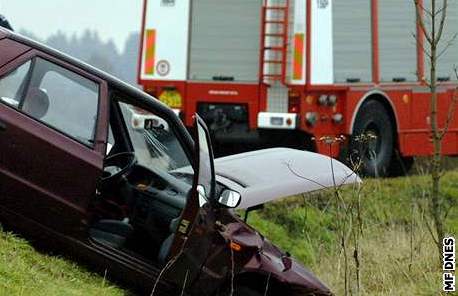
pixel 10 85
pixel 60 98
pixel 154 142
pixel 110 141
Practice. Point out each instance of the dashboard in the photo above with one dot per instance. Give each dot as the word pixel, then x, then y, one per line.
pixel 157 198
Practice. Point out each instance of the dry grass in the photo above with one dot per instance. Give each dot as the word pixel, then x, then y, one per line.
pixel 387 268
pixel 304 226
pixel 397 254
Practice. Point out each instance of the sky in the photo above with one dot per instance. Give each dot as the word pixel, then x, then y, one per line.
pixel 112 19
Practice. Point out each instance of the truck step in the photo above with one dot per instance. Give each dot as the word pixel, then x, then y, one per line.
pixel 275 48
pixel 276 7
pixel 274 35
pixel 279 22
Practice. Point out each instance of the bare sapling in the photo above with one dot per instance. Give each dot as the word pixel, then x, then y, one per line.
pixel 432 22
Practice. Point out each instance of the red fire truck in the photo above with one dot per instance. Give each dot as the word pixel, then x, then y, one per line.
pixel 303 73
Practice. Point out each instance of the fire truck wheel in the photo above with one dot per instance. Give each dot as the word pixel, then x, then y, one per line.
pixel 400 165
pixel 372 142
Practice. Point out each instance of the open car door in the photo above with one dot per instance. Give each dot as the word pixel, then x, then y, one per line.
pixel 195 230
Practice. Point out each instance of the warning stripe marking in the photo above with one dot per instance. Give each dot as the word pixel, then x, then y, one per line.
pixel 150 51
pixel 298 64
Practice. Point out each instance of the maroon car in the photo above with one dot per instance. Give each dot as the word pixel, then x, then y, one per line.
pixel 96 168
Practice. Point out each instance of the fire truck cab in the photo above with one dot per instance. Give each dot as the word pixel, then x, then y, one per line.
pixel 345 78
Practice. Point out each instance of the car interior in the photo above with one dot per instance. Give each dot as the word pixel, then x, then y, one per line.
pixel 140 198
pixel 141 195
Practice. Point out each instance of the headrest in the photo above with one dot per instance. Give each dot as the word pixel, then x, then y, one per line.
pixel 36 103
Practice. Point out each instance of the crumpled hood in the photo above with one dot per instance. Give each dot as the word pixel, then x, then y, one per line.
pixel 265 175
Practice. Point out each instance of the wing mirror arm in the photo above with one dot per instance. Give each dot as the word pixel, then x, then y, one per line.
pixel 250 209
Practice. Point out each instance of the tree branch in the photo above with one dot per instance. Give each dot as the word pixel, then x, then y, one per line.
pixel 420 21
pixel 439 11
pixel 288 164
pixel 431 232
pixel 451 110
pixel 442 22
pixel 425 50
pixel 447 46
pixel 423 9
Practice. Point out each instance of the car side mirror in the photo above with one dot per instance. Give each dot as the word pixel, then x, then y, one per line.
pixel 251 209
pixel 229 198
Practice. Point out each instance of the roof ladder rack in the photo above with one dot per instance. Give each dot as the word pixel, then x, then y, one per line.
pixel 274 41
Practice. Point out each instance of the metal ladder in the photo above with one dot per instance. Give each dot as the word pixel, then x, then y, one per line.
pixel 274 41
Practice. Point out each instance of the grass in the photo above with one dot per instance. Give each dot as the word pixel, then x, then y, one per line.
pixel 24 271
pixel 397 254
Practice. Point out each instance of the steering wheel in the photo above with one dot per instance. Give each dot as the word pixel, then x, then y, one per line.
pixel 117 166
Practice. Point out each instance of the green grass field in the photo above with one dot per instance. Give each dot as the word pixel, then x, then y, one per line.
pixel 24 271
pixel 397 256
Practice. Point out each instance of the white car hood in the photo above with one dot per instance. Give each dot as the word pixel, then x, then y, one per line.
pixel 265 175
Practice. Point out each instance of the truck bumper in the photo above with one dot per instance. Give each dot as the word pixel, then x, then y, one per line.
pixel 271 120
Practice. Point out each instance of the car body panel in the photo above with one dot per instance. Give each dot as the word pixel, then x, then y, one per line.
pixel 48 181
pixel 265 175
pixel 268 260
pixel 270 174
pixel 194 233
pixel 10 50
pixel 143 99
pixel 36 149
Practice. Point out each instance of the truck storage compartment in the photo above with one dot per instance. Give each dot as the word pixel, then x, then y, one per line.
pixel 225 40
pixel 352 41
pixel 449 43
pixel 397 45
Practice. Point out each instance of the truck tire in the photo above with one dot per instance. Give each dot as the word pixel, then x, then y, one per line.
pixel 400 165
pixel 372 142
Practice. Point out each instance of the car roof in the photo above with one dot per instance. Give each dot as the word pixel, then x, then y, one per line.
pixel 131 90
pixel 140 96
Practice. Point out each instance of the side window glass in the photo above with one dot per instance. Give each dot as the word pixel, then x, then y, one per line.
pixel 110 141
pixel 11 85
pixel 54 95
pixel 62 99
pixel 155 143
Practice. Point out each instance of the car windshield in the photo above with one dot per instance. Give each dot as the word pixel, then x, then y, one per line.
pixel 155 143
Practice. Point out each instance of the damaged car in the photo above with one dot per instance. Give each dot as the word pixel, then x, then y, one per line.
pixel 98 169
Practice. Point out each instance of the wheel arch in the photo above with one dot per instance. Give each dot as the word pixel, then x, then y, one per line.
pixel 382 97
